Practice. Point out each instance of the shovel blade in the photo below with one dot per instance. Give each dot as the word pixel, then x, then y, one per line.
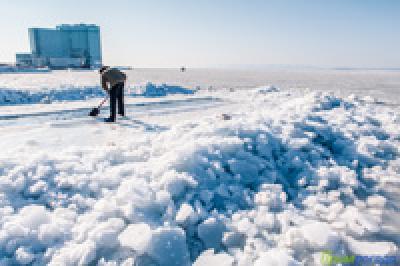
pixel 94 112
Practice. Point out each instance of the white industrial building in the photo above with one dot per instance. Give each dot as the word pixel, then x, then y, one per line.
pixel 66 46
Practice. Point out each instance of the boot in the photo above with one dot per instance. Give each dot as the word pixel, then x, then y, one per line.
pixel 109 120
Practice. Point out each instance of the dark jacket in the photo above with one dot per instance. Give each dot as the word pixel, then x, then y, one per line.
pixel 112 76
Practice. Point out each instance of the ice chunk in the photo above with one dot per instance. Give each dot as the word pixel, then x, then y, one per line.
pixel 23 256
pixel 75 254
pixel 233 239
pixel 136 236
pixel 376 201
pixel 365 248
pixel 245 169
pixel 185 214
pixel 360 223
pixel 176 183
pixel 33 216
pixel 49 233
pixel 320 235
pixel 208 258
pixel 105 234
pixel 168 247
pixel 341 174
pixel 271 195
pixel 245 226
pixel 276 256
pixel 265 219
pixel 210 232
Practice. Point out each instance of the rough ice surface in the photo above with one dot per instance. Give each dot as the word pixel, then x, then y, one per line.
pixel 291 173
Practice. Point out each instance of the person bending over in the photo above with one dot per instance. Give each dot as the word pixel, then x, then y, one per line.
pixel 113 82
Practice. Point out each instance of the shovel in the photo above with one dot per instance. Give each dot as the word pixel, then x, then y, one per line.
pixel 95 111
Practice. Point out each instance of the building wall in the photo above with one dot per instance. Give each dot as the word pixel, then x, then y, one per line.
pixel 65 62
pixel 94 47
pixel 80 43
pixel 23 59
pixel 84 42
pixel 49 43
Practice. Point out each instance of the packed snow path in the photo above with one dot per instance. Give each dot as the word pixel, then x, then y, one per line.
pixel 245 177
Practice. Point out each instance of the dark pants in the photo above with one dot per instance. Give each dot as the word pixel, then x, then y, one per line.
pixel 117 94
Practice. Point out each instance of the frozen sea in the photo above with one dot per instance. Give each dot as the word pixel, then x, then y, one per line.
pixel 210 167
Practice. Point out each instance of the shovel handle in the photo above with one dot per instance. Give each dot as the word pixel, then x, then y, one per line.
pixel 103 101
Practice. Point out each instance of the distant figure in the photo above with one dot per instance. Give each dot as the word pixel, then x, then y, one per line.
pixel 183 69
pixel 226 117
pixel 113 82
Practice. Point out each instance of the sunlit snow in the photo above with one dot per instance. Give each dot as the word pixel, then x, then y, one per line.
pixel 224 171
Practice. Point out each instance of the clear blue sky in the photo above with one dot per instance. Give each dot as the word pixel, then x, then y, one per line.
pixel 156 33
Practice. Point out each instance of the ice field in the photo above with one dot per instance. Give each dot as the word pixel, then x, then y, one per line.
pixel 210 167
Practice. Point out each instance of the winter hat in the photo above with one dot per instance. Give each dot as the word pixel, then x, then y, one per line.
pixel 103 68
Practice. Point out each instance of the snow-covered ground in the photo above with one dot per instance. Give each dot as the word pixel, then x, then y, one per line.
pixel 234 174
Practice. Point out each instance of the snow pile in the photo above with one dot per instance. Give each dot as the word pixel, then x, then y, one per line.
pixel 12 96
pixel 153 90
pixel 288 176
